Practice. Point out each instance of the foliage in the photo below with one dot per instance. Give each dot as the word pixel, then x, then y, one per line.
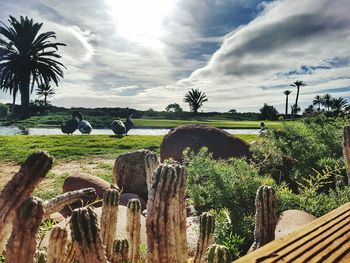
pixel 230 184
pixel 195 98
pixel 312 143
pixel 46 91
pixel 173 108
pixel 268 112
pixel 338 105
pixel 310 198
pixel 27 58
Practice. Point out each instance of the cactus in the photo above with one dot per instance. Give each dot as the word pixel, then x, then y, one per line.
pixel 346 150
pixel 133 229
pixel 59 202
pixel 57 245
pixel 265 216
pixel 166 216
pixel 218 254
pixel 19 188
pixel 22 244
pixel 69 256
pixel 86 237
pixel 205 239
pixel 120 251
pixel 41 256
pixel 109 219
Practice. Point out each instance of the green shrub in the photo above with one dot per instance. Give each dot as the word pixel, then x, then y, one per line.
pixel 3 111
pixel 314 143
pixel 228 184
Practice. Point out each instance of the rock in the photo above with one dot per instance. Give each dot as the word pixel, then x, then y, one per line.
pixel 219 142
pixel 57 217
pixel 191 211
pixel 76 182
pixel 133 172
pixel 192 234
pixel 290 221
pixel 125 197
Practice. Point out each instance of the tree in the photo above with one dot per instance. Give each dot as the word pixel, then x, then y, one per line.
pixel 318 101
pixel 46 91
pixel 287 93
pixel 309 110
pixel 195 98
pixel 326 101
pixel 295 110
pixel 268 112
pixel 232 111
pixel 338 105
pixel 297 84
pixel 174 107
pixel 27 58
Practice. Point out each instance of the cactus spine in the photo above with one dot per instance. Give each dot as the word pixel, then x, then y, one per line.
pixel 265 216
pixel 166 216
pixel 346 150
pixel 19 188
pixel 57 245
pixel 133 229
pixel 205 239
pixel 59 202
pixel 86 237
pixel 218 254
pixel 22 244
pixel 109 219
pixel 120 251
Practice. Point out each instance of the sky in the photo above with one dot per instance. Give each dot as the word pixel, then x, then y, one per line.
pixel 241 53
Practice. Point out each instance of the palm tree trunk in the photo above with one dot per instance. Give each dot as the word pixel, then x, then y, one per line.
pixel 296 99
pixel 45 99
pixel 13 103
pixel 25 97
pixel 286 106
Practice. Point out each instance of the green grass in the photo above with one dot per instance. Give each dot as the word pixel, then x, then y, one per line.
pixel 104 121
pixel 63 147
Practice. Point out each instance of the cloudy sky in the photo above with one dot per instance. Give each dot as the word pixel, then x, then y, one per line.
pixel 148 54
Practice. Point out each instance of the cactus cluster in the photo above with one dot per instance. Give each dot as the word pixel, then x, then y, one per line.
pixel 166 216
pixel 265 216
pixel 120 251
pixel 218 254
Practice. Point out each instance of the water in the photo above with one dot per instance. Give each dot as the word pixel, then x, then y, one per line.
pixel 140 131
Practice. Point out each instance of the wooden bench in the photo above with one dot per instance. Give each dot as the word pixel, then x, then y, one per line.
pixel 327 239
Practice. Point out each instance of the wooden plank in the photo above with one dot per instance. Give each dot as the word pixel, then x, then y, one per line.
pixel 270 252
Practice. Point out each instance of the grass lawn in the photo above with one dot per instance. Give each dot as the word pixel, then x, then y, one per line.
pixel 82 154
pixel 63 147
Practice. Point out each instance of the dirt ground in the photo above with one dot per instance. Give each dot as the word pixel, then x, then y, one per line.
pixel 91 166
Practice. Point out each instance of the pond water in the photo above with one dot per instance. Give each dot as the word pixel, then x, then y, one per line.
pixel 136 131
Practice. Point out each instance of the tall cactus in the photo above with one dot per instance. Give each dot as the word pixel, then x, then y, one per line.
pixel 133 229
pixel 346 149
pixel 59 202
pixel 86 237
pixel 265 216
pixel 109 219
pixel 166 216
pixel 120 251
pixel 57 245
pixel 205 239
pixel 22 244
pixel 19 188
pixel 218 254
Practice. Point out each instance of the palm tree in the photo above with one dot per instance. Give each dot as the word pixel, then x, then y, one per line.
pixel 297 84
pixel 195 98
pixel 27 58
pixel 326 101
pixel 287 93
pixel 338 105
pixel 45 90
pixel 318 101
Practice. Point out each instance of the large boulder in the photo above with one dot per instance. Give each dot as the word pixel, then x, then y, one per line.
pixel 222 144
pixel 133 172
pixel 291 220
pixel 79 181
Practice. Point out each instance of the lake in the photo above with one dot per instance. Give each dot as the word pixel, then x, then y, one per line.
pixel 135 131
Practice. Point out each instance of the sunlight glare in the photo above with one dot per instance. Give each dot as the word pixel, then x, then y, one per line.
pixel 140 20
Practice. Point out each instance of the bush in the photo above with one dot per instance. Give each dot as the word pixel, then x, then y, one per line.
pixel 3 111
pixel 313 143
pixel 228 184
